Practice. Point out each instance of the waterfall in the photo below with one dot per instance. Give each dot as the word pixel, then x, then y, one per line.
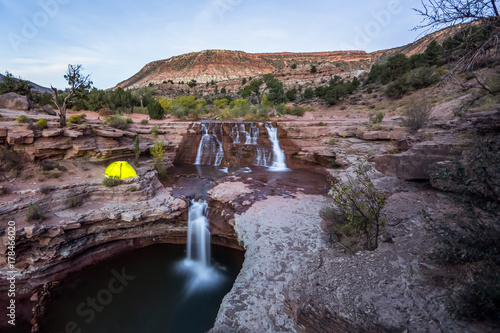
pixel 235 134
pixel 263 157
pixel 210 150
pixel 254 134
pixel 198 246
pixel 279 163
pixel 240 135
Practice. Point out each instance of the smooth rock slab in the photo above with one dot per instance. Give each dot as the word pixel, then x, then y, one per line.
pixel 280 235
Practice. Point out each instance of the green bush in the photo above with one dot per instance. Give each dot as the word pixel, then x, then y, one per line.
pixel 33 213
pixel 74 201
pixel 155 110
pixel 117 122
pixel 74 119
pixel 22 119
pixel 398 88
pixel 296 111
pixel 154 130
pixel 423 77
pixel 41 123
pixel 129 120
pixel 55 175
pixel 144 122
pixel 132 188
pixel 416 115
pixel 313 69
pixel 111 182
pixel 377 117
pixel 357 207
pixel 3 190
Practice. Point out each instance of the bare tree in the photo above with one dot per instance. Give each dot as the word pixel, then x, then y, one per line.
pixel 77 83
pixel 441 13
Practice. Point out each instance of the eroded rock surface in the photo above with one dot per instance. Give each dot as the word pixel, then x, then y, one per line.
pixel 279 236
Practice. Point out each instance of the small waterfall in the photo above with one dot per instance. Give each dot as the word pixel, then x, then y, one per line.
pixel 254 134
pixel 263 157
pixel 198 247
pixel 240 135
pixel 235 134
pixel 210 150
pixel 279 163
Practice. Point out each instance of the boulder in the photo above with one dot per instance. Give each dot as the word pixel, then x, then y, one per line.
pixel 48 110
pixel 14 101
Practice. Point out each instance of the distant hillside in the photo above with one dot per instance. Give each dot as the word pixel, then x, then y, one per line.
pixel 35 87
pixel 225 66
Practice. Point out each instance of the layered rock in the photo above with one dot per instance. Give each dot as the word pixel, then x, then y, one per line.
pixel 45 249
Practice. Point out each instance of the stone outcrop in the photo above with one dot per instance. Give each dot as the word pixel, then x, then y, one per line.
pixel 14 101
pixel 44 249
pixel 414 163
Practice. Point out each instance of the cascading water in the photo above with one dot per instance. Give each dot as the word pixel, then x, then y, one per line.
pixel 263 157
pixel 198 242
pixel 279 163
pixel 240 135
pixel 210 150
pixel 198 261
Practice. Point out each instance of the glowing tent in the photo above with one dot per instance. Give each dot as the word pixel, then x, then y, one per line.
pixel 120 170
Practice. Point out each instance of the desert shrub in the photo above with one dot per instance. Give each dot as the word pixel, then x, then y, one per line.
pixel 132 188
pixel 155 110
pixel 129 120
pixel 33 212
pixel 22 119
pixel 423 77
pixel 398 88
pixel 357 207
pixel 377 117
pixel 55 175
pixel 3 190
pixel 332 141
pixel 154 130
pixel 416 115
pixel 296 111
pixel 45 189
pixel 41 123
pixel 469 238
pixel 74 201
pixel 104 112
pixel 117 122
pixel 144 122
pixel 74 119
pixel 137 150
pixel 281 109
pixel 308 93
pixel 111 182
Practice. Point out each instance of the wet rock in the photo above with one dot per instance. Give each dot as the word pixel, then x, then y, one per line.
pixel 229 191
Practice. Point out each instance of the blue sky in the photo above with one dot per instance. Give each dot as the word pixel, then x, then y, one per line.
pixel 114 39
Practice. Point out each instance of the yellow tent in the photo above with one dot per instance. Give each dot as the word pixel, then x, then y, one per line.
pixel 121 170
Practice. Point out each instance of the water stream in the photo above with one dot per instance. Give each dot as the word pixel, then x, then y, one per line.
pixel 279 163
pixel 210 150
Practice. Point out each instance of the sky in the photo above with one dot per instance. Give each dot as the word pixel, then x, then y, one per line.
pixel 113 40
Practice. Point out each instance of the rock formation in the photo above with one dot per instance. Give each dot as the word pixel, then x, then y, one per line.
pixel 14 101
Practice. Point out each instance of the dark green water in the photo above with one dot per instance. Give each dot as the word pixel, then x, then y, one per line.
pixel 143 291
